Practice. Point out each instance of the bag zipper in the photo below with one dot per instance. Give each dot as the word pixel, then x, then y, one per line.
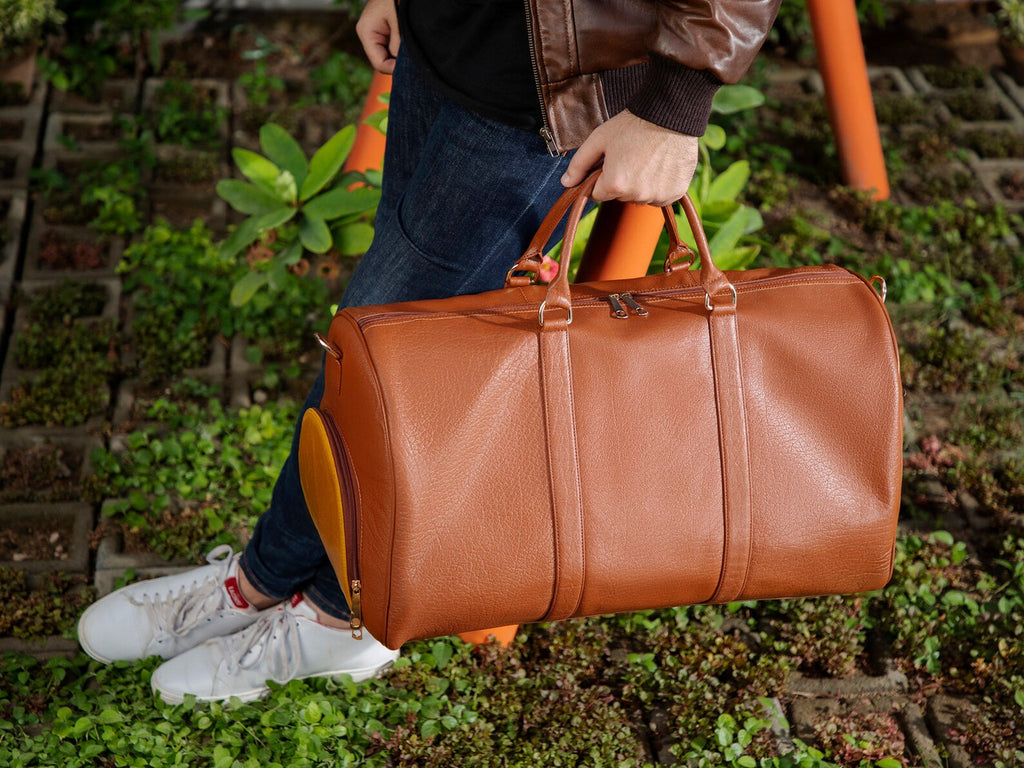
pixel 613 298
pixel 349 515
pixel 545 131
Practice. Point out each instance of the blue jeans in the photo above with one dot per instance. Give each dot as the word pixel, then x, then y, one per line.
pixel 462 197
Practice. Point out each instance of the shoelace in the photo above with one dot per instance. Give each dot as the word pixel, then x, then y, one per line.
pixel 246 649
pixel 178 613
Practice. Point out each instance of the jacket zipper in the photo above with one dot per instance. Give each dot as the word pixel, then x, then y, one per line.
pixel 631 302
pixel 545 131
pixel 349 515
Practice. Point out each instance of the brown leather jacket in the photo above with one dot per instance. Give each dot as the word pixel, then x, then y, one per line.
pixel 662 59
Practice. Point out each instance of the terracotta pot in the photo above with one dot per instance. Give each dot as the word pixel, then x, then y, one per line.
pixel 20 68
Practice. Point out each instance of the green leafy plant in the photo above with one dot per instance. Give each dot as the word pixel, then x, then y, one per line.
pixel 23 22
pixel 342 79
pixel 104 37
pixel 260 85
pixel 186 114
pixel 294 205
pixel 198 480
pixel 1011 20
pixel 179 289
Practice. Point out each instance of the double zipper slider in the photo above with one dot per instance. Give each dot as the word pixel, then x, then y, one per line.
pixel 618 299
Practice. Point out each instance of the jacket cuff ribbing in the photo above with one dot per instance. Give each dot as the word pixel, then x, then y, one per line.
pixel 675 96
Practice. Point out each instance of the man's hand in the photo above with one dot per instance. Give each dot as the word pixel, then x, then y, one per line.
pixel 643 162
pixel 378 32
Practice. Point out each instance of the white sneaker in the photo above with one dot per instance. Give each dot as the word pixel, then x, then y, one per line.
pixel 169 615
pixel 285 644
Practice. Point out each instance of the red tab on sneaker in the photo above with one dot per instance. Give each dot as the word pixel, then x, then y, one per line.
pixel 231 587
pixel 296 599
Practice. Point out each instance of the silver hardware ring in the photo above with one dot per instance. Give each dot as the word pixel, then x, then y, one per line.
pixel 540 314
pixel 885 289
pixel 330 348
pixel 707 298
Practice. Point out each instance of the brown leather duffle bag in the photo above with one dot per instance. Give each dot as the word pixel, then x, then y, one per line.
pixel 540 452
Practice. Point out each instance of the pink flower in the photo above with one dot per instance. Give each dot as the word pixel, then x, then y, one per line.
pixel 548 269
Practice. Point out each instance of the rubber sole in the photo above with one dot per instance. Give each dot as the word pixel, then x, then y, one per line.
pixel 358 676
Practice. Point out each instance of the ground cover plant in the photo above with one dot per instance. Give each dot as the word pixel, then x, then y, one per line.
pixel 197 478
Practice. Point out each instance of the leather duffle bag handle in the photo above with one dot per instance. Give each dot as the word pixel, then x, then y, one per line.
pixel 575 199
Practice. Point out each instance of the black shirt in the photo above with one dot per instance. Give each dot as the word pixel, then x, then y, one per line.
pixel 476 52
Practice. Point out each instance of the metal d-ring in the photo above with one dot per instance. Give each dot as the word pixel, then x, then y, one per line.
pixel 885 289
pixel 331 350
pixel 540 314
pixel 707 298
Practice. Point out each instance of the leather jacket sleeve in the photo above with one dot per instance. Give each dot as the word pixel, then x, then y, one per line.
pixel 696 46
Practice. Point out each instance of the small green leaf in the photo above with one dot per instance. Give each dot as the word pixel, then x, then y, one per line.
pixel 717 212
pixel 442 654
pixel 275 218
pixel 430 728
pixel 342 202
pixel 1018 696
pixel 730 182
pixel 943 537
pixel 247 198
pixel 737 258
pixel 729 234
pixel 257 169
pixel 246 287
pixel 714 137
pixel 327 161
pixel 353 239
pixel 110 716
pixel 888 762
pixel 221 757
pixel 291 254
pixel 243 236
pixel 735 98
pixel 315 234
pixel 282 149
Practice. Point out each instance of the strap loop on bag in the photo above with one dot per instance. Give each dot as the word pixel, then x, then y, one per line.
pixel 574 200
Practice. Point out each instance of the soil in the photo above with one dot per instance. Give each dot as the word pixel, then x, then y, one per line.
pixel 41 539
pixel 11 130
pixel 7 166
pixel 971 105
pixel 57 253
pixel 41 473
pixel 192 169
pixel 183 211
pixel 93 131
pixel 1011 184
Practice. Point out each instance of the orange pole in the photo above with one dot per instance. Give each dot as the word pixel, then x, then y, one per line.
pixel 504 635
pixel 368 151
pixel 622 241
pixel 848 94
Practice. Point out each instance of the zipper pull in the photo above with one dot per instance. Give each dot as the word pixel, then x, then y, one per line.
pixel 620 313
pixel 357 610
pixel 631 303
pixel 549 140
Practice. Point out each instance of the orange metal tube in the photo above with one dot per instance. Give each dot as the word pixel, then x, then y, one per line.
pixel 504 635
pixel 848 94
pixel 622 241
pixel 368 151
